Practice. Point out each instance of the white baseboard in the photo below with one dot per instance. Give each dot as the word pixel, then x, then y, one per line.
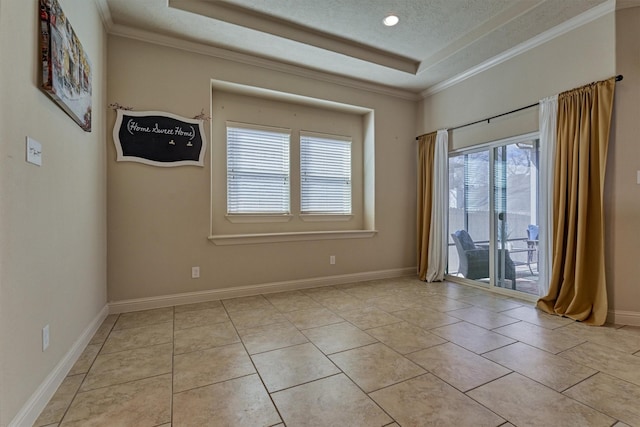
pixel 39 399
pixel 138 304
pixel 620 317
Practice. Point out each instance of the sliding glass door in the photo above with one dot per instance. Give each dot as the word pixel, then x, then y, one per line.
pixel 515 171
pixel 493 200
pixel 470 215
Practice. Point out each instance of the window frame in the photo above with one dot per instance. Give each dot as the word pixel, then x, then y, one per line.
pixel 250 104
pixel 319 215
pixel 251 216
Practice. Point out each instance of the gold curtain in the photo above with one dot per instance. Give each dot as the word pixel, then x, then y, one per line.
pixel 578 284
pixel 426 150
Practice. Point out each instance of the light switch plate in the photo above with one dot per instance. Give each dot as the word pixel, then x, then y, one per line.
pixel 34 151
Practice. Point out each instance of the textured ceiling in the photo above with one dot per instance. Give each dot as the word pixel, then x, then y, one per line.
pixel 434 41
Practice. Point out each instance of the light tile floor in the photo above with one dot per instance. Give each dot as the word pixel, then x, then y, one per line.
pixel 395 352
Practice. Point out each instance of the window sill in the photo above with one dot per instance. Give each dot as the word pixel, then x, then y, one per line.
pixel 256 219
pixel 248 239
pixel 324 217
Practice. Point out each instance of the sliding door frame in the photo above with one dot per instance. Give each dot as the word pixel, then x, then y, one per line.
pixel 491 146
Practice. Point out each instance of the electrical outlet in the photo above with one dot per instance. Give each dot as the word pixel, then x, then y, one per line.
pixel 45 337
pixel 195 272
pixel 332 259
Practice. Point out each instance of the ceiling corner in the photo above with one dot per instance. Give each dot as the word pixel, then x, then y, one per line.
pixel 584 18
pixel 105 14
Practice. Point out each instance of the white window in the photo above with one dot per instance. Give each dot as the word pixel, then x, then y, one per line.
pixel 257 169
pixel 325 174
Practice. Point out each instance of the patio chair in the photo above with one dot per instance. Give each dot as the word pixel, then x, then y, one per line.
pixel 532 245
pixel 474 259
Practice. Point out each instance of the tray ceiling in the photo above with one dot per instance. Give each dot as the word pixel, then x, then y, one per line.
pixel 434 41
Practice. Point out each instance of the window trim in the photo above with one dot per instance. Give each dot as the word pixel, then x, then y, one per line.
pixel 364 196
pixel 296 236
pixel 325 217
pixel 257 219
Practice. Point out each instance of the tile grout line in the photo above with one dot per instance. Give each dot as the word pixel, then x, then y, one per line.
pixel 615 418
pixel 255 368
pixel 88 369
pixel 486 407
pixel 351 379
pixel 582 380
pixel 305 383
pixel 337 367
pixel 215 383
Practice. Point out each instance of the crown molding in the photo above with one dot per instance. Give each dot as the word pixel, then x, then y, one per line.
pixel 515 10
pixel 204 49
pixel 105 13
pixel 567 26
pixel 625 4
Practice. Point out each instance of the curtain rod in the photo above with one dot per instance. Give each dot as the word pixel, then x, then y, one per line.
pixel 488 119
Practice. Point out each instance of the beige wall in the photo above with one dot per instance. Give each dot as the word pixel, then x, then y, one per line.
pixel 52 218
pixel 158 218
pixel 622 203
pixel 573 59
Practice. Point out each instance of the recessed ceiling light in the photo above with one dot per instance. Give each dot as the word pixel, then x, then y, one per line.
pixel 390 20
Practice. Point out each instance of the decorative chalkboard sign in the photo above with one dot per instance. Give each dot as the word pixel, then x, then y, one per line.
pixel 159 139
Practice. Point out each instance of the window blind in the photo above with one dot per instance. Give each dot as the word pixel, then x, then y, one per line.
pixel 325 174
pixel 257 169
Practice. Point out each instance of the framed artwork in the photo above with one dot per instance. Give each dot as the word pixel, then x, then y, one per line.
pixel 66 70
